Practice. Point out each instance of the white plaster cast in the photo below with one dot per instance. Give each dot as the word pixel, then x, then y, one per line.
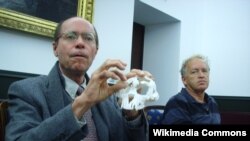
pixel 138 92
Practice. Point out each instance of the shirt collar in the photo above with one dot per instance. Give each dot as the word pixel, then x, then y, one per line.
pixel 190 98
pixel 71 86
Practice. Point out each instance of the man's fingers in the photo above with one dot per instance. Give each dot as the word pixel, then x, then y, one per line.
pixel 112 63
pixel 139 73
pixel 119 73
pixel 118 86
pixel 110 74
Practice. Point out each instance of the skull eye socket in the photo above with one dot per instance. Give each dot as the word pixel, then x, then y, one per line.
pixel 142 89
pixel 130 97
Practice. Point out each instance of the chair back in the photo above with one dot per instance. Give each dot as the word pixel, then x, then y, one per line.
pixel 154 114
pixel 3 118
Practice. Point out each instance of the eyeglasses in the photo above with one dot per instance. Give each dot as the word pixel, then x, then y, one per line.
pixel 72 36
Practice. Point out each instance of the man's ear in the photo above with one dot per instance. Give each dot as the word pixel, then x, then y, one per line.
pixel 96 50
pixel 54 44
pixel 183 80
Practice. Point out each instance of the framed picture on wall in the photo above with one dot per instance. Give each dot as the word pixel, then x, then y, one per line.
pixel 41 16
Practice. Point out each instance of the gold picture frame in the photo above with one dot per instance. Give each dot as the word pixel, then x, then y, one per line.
pixel 24 22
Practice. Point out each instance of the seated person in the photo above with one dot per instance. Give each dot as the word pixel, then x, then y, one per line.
pixel 192 105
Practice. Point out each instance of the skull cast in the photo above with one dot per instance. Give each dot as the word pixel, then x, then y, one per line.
pixel 138 92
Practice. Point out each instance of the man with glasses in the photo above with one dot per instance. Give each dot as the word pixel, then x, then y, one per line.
pixel 192 105
pixel 67 105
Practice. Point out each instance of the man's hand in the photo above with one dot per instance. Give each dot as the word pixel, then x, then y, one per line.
pixel 98 89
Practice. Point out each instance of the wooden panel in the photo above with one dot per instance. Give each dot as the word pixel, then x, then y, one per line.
pixel 3 118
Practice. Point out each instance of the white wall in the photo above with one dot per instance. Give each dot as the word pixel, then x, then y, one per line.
pixel 161 57
pixel 226 40
pixel 23 52
pixel 219 29
pixel 114 22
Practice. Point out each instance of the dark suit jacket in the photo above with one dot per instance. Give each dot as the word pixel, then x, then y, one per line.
pixel 40 110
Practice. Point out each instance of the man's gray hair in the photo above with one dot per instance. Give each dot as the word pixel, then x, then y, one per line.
pixel 197 56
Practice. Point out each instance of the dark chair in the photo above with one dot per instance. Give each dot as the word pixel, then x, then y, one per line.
pixel 154 114
pixel 3 118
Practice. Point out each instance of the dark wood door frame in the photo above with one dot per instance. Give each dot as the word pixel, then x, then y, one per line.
pixel 137 46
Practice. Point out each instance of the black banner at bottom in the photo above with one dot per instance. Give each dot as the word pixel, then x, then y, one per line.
pixel 163 131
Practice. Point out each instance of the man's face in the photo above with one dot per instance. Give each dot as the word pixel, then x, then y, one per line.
pixel 197 76
pixel 76 47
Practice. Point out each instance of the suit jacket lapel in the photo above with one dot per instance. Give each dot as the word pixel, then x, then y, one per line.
pixel 56 96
